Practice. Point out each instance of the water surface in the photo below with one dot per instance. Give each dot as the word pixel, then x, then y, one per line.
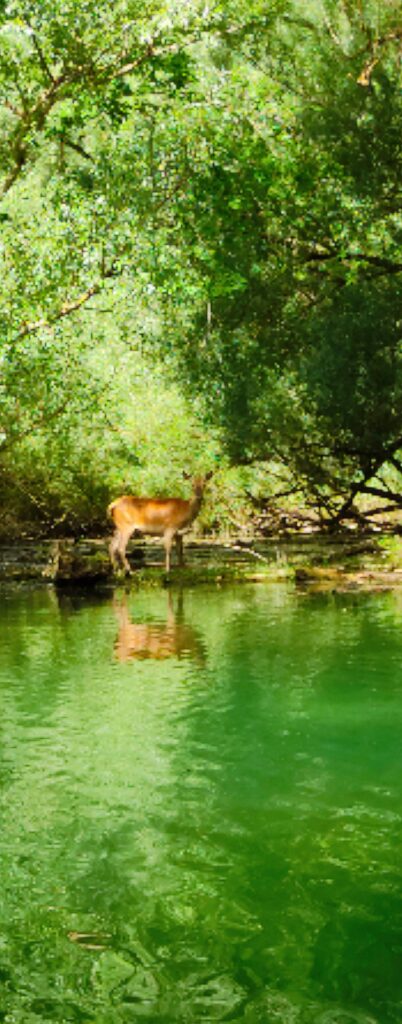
pixel 201 807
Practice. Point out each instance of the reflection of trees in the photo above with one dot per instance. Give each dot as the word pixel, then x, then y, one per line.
pixel 222 833
pixel 158 640
pixel 292 741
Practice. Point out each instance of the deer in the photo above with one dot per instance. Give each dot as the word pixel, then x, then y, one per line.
pixel 157 517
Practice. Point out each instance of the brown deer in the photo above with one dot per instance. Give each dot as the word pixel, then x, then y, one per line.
pixel 158 517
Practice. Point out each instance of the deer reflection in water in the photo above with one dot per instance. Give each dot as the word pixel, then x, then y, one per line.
pixel 174 638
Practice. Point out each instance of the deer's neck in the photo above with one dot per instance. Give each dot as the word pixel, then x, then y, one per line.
pixel 194 506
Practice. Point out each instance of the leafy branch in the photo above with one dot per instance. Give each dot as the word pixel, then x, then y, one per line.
pixel 66 309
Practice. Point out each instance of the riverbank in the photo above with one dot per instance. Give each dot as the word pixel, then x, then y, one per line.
pixel 337 563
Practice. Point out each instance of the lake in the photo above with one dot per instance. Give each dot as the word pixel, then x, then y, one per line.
pixel 201 806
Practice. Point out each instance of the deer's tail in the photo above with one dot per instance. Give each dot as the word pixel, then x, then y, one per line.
pixel 109 510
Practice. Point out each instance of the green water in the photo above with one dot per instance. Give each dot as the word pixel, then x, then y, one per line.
pixel 201 807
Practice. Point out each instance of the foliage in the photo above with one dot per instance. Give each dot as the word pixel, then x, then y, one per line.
pixel 200 208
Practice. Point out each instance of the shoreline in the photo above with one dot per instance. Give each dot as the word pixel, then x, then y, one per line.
pixel 328 563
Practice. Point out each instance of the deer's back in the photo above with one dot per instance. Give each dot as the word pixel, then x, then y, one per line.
pixel 150 515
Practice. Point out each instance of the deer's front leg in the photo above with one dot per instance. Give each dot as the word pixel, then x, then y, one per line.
pixel 179 546
pixel 168 538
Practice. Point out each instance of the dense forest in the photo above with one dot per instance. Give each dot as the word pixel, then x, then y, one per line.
pixel 201 256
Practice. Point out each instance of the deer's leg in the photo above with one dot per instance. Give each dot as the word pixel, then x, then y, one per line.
pixel 114 550
pixel 179 546
pixel 117 549
pixel 168 538
pixel 125 537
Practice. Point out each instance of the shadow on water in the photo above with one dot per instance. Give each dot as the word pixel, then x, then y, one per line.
pixel 202 816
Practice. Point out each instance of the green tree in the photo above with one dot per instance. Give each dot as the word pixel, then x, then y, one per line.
pixel 292 226
pixel 225 182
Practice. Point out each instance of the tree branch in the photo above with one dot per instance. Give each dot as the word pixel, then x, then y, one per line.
pixel 35 425
pixel 65 310
pixel 382 262
pixel 378 492
pixel 76 147
pixel 35 117
pixel 42 60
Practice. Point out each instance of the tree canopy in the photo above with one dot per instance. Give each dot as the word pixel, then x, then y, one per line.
pixel 201 228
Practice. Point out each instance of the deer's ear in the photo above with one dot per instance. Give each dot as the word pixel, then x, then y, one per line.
pixel 187 476
pixel 208 475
